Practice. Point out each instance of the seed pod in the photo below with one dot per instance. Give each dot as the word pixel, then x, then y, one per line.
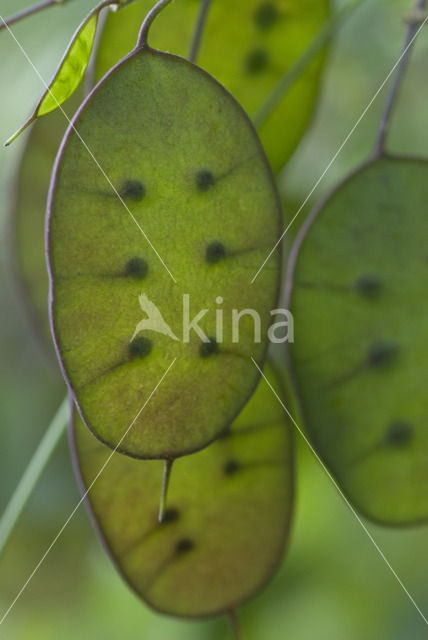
pixel 248 46
pixel 358 274
pixel 228 517
pixel 164 211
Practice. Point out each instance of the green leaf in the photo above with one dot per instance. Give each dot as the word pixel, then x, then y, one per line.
pixel 228 519
pixel 70 71
pixel 359 358
pixel 193 179
pixel 248 47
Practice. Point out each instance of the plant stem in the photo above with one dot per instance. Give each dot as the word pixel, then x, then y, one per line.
pixel 165 486
pixel 33 472
pixel 412 34
pixel 200 24
pixel 29 11
pixel 145 27
pixel 234 624
pixel 287 80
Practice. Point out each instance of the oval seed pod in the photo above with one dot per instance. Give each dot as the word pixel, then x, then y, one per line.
pixel 248 46
pixel 160 216
pixel 228 519
pixel 359 360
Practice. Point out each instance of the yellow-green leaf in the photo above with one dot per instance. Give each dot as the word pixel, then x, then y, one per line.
pixel 70 71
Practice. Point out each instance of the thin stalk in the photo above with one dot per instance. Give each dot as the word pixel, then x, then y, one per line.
pixel 232 616
pixel 165 486
pixel 145 27
pixel 199 29
pixel 293 73
pixel 29 11
pixel 413 31
pixel 33 472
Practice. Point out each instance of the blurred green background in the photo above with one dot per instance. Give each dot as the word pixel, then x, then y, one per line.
pixel 333 585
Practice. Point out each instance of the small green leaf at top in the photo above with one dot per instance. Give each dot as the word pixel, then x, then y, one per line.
pixel 71 70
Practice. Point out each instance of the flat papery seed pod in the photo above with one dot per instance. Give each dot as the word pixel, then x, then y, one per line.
pixel 359 360
pixel 247 46
pixel 228 518
pixel 27 218
pixel 182 211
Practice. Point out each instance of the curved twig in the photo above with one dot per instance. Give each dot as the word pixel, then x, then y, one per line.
pixel 200 24
pixel 145 27
pixel 414 30
pixel 29 11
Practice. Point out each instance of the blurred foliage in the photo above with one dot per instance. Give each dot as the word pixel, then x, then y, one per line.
pixel 333 584
pixel 27 215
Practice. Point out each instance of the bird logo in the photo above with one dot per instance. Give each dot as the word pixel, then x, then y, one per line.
pixel 154 320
